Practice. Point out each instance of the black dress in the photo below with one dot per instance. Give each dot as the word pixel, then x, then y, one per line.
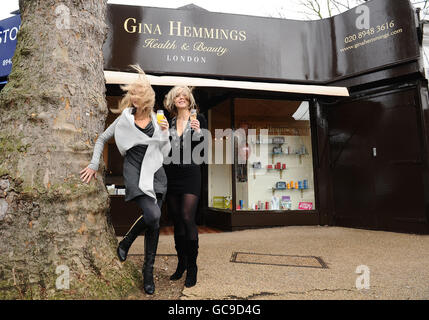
pixel 184 177
pixel 132 166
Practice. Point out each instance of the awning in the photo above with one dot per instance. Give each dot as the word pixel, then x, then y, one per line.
pixel 116 77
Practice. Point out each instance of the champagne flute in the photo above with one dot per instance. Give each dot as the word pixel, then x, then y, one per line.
pixel 160 116
pixel 193 115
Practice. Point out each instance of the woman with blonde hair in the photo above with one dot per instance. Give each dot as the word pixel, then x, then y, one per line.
pixel 143 143
pixel 184 179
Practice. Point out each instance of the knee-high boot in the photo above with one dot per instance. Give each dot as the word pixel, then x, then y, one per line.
pixel 150 246
pixel 136 229
pixel 192 269
pixel 180 245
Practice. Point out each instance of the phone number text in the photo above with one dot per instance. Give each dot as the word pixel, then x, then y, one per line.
pixel 371 31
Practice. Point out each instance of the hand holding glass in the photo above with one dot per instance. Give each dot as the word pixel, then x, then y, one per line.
pixel 195 124
pixel 160 116
pixel 162 121
pixel 193 115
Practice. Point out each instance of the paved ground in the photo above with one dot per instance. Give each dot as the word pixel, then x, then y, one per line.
pixel 398 264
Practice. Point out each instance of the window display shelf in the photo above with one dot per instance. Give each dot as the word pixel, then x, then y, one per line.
pixel 298 155
pixel 276 143
pixel 287 161
pixel 280 140
pixel 293 190
pixel 288 154
pixel 269 170
pixel 286 189
pixel 284 153
pixel 277 169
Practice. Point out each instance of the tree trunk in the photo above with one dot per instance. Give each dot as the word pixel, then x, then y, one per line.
pixel 51 111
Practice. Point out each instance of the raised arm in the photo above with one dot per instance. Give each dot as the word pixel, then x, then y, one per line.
pixel 165 145
pixel 197 125
pixel 99 145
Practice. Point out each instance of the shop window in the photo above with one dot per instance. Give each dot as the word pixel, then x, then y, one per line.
pixel 220 172
pixel 277 173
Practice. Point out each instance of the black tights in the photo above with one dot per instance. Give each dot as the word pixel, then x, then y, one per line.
pixel 151 210
pixel 182 209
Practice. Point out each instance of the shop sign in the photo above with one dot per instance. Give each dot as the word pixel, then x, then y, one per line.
pixel 375 35
pixel 8 36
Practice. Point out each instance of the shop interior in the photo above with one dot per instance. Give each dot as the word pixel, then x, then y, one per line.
pixel 280 180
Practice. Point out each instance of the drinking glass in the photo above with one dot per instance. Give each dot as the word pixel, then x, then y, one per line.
pixel 159 116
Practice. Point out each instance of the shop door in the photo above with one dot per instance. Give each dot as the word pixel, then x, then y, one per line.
pixel 351 164
pixel 376 163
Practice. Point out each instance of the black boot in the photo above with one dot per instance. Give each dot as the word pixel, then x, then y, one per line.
pixel 191 270
pixel 180 245
pixel 150 245
pixel 129 238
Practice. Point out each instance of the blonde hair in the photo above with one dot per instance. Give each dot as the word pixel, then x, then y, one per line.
pixel 173 93
pixel 141 88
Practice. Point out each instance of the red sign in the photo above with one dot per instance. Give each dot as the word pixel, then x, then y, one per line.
pixel 305 206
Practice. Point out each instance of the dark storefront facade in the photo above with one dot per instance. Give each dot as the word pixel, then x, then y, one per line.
pixel 354 160
pixel 357 161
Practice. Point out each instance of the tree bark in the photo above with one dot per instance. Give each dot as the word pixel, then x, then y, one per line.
pixel 51 112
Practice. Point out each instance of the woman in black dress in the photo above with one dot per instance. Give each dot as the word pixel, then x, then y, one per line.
pixel 144 143
pixel 184 179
